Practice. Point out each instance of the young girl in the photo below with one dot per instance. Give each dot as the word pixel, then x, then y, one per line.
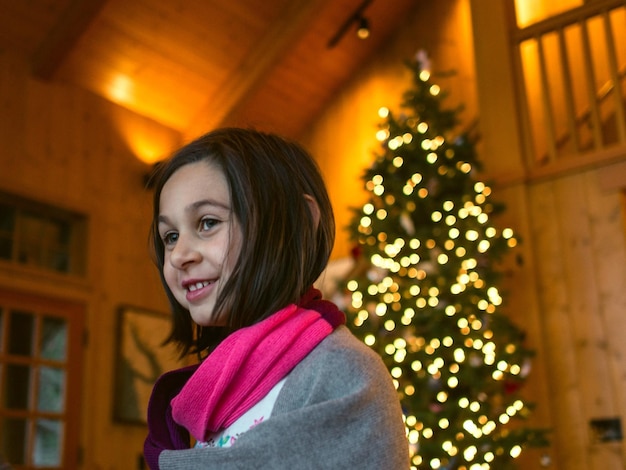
pixel 242 228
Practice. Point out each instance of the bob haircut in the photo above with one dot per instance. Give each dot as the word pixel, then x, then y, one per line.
pixel 284 248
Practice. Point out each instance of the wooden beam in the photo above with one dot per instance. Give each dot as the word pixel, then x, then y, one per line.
pixel 269 50
pixel 59 42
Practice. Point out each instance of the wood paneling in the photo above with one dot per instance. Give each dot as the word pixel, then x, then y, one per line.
pixel 68 148
pixel 576 235
pixel 197 65
pixel 24 25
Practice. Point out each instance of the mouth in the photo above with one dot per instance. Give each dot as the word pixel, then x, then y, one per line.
pixel 196 285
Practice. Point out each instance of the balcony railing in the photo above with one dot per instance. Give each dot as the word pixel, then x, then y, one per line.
pixel 571 76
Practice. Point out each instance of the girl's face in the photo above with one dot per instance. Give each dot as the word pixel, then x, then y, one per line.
pixel 201 236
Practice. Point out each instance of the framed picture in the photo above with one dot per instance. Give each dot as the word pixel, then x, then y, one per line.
pixel 141 359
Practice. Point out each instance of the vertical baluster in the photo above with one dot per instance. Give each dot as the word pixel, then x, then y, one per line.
pixel 569 94
pixel 530 158
pixel 527 141
pixel 547 103
pixel 591 87
pixel 620 120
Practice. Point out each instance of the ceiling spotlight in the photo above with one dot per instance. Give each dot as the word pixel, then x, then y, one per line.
pixel 363 28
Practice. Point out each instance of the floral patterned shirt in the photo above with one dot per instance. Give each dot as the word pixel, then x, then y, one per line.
pixel 255 415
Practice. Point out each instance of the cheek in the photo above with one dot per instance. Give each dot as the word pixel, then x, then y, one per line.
pixel 229 262
pixel 170 277
pixel 234 250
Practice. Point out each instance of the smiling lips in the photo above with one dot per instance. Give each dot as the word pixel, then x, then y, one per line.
pixel 197 289
pixel 197 285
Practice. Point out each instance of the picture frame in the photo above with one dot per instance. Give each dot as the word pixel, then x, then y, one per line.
pixel 141 357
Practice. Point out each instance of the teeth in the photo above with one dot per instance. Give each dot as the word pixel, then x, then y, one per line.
pixel 197 285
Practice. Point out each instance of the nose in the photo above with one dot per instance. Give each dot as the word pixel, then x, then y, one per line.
pixel 184 252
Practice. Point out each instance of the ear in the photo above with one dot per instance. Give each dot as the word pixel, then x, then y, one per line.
pixel 314 208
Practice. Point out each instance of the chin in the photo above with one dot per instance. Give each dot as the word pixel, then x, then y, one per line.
pixel 206 319
pixel 203 320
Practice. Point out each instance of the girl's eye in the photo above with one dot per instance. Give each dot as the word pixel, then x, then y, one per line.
pixel 170 238
pixel 207 223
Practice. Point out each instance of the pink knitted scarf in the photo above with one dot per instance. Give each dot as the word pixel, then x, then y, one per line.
pixel 245 367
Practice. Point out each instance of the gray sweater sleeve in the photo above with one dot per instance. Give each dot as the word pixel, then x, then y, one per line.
pixel 338 409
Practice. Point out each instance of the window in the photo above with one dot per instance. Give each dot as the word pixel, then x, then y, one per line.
pixel 43 236
pixel 40 370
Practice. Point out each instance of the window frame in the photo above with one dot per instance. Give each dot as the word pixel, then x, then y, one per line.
pixel 76 249
pixel 74 314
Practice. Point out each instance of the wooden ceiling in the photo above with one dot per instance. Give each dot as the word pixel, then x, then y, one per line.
pixel 193 65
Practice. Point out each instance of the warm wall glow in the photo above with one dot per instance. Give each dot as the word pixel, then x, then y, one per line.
pixel 146 140
pixel 343 138
pixel 120 90
pixel 148 99
pixel 146 149
pixel 532 11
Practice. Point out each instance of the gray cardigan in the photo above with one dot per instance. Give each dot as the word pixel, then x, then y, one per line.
pixel 338 409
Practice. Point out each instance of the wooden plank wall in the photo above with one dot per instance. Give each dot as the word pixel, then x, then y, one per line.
pixel 568 290
pixel 69 148
pixel 577 236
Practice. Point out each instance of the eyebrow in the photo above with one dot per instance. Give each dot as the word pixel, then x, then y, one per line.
pixel 194 206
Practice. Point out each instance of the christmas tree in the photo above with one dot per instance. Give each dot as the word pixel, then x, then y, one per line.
pixel 424 291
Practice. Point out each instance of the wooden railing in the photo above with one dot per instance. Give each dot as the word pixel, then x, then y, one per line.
pixel 571 77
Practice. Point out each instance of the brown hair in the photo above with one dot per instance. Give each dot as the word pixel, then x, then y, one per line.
pixel 284 248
